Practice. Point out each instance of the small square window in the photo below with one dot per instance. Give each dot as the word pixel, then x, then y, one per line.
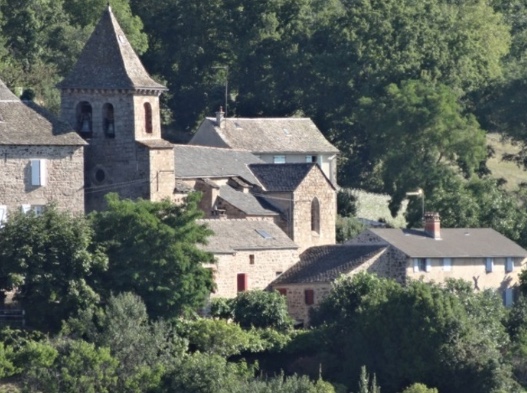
pixel 279 159
pixel 422 265
pixel 311 159
pixel 489 265
pixel 251 259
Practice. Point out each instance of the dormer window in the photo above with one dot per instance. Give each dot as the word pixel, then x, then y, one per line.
pixel 84 119
pixel 108 124
pixel 148 118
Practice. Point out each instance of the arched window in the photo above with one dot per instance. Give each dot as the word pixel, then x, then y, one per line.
pixel 148 118
pixel 108 124
pixel 315 216
pixel 84 119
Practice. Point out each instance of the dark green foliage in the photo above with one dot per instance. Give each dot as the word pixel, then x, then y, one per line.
pixel 221 308
pixel 50 261
pixel 347 228
pixel 427 334
pixel 346 203
pixel 261 309
pixel 153 252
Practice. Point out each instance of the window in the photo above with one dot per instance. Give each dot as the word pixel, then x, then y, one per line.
pixel 38 209
pixel 509 265
pixel 422 265
pixel 84 119
pixel 38 172
pixel 508 297
pixel 108 124
pixel 279 159
pixel 309 296
pixel 282 291
pixel 311 159
pixel 148 118
pixel 251 259
pixel 489 265
pixel 447 264
pixel 3 214
pixel 25 208
pixel 315 216
pixel 242 282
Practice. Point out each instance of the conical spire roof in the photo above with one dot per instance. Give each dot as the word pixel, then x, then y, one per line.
pixel 108 61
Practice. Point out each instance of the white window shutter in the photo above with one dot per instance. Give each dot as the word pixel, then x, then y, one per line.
pixel 509 265
pixel 509 298
pixel 489 264
pixel 38 172
pixel 447 264
pixel 416 265
pixel 26 208
pixel 428 264
pixel 3 213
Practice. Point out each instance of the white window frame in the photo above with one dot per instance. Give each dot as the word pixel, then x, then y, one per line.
pixel 39 172
pixel 509 264
pixel 309 158
pixel 417 265
pixel 38 209
pixel 489 265
pixel 25 208
pixel 447 264
pixel 280 159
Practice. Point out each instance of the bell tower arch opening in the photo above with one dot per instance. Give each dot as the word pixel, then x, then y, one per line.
pixel 84 119
pixel 148 117
pixel 108 121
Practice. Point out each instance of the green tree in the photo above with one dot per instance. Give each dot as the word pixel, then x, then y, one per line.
pixel 153 251
pixel 262 309
pixel 50 262
pixel 418 134
pixel 428 334
pixel 419 388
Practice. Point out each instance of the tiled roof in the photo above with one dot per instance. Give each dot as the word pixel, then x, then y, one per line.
pixel 238 235
pixel 246 202
pixel 108 61
pixel 199 161
pixel 326 263
pixel 24 123
pixel 280 135
pixel 156 143
pixel 281 177
pixel 454 243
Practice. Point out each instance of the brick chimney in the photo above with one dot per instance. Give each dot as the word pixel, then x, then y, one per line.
pixel 433 225
pixel 219 117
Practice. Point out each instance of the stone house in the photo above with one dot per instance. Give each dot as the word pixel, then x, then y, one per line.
pixel 481 256
pixel 41 159
pixel 113 103
pixel 273 140
pixel 250 254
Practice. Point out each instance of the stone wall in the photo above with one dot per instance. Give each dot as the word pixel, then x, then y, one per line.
pixel 266 266
pixel 114 163
pixel 65 177
pixel 162 177
pixel 314 185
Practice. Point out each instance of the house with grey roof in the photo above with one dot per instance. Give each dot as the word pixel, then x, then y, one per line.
pixel 273 140
pixel 112 102
pixel 42 159
pixel 250 254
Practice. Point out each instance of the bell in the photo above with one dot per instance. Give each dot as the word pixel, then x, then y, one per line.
pixel 85 126
pixel 111 129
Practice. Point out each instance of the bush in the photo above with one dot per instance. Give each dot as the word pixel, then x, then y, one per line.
pixel 261 309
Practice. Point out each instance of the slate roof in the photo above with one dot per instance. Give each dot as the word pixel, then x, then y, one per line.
pixel 211 162
pixel 247 202
pixel 454 243
pixel 24 123
pixel 327 263
pixel 264 135
pixel 281 177
pixel 238 235
pixel 108 61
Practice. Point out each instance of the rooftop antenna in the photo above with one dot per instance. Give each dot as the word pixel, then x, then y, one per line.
pixel 226 68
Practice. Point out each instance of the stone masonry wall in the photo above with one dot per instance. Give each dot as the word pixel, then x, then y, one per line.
pixel 115 164
pixel 314 185
pixel 65 177
pixel 266 267
pixel 162 178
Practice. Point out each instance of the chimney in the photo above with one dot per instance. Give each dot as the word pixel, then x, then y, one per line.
pixel 433 225
pixel 219 117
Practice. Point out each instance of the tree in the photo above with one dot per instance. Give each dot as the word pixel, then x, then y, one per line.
pixel 428 334
pixel 50 262
pixel 144 350
pixel 418 134
pixel 261 309
pixel 419 388
pixel 153 251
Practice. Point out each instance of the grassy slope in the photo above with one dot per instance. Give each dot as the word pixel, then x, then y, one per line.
pixel 503 169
